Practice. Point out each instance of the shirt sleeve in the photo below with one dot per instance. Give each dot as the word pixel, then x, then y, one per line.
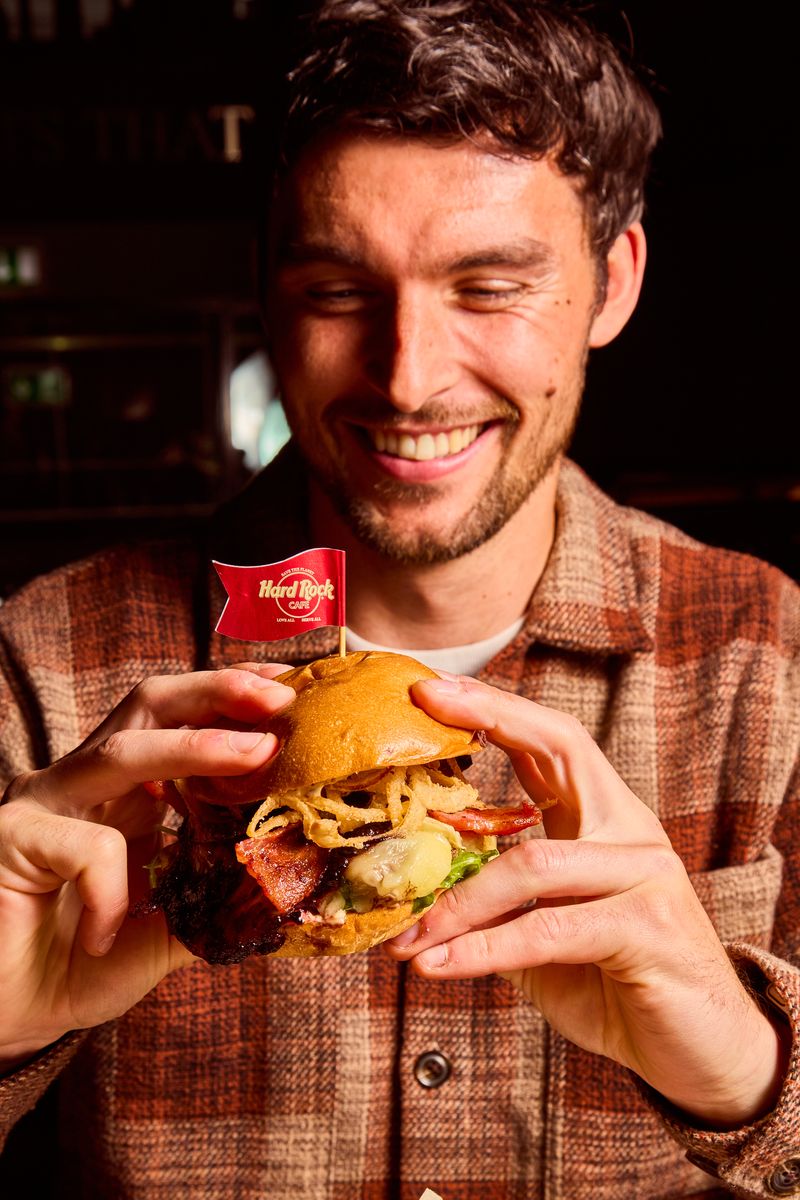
pixel 762 1159
pixel 21 1089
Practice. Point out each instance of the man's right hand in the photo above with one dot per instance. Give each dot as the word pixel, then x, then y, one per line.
pixel 75 839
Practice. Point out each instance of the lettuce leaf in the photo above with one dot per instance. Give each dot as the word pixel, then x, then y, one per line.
pixel 465 863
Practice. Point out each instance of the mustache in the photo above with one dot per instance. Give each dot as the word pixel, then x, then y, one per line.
pixel 376 412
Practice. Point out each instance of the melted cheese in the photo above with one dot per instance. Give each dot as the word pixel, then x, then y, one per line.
pixel 401 868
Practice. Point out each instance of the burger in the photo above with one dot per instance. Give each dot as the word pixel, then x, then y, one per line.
pixel 356 826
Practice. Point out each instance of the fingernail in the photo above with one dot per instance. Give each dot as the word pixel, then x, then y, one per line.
pixel 243 743
pixel 445 687
pixel 105 944
pixel 406 937
pixel 435 957
pixel 260 681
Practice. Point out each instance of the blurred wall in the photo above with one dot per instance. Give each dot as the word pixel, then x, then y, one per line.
pixel 128 167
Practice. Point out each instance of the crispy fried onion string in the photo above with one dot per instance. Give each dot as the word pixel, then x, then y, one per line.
pixel 399 795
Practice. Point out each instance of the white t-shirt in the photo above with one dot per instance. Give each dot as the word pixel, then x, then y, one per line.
pixel 458 660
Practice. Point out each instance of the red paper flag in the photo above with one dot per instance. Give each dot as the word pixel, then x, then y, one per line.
pixel 279 600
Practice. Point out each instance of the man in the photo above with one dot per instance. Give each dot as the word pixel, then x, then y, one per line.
pixel 455 224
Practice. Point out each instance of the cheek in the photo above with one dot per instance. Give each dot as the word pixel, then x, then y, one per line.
pixel 544 354
pixel 320 352
pixel 516 363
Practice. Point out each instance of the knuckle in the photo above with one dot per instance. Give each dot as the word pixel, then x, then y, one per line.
pixel 569 735
pixel 456 902
pixel 660 901
pixel 111 750
pixel 576 731
pixel 664 864
pixel 551 924
pixel 541 856
pixel 18 787
pixel 197 741
pixel 143 692
pixel 566 724
pixel 10 824
pixel 657 908
pixel 107 842
pixel 236 683
pixel 481 947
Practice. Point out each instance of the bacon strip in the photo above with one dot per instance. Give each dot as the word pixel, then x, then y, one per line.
pixel 286 867
pixel 491 821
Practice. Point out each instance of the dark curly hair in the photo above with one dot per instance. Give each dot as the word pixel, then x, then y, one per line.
pixel 536 77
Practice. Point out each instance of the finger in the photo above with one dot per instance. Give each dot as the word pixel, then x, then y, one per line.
pixel 596 932
pixel 572 767
pixel 532 779
pixel 84 779
pixel 41 852
pixel 201 698
pixel 535 869
pixel 269 670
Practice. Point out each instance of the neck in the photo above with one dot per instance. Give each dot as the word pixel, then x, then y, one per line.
pixel 448 604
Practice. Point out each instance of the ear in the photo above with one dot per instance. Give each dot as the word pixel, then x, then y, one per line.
pixel 625 268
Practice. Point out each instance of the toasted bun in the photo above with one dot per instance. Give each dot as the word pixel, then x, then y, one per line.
pixel 350 714
pixel 355 713
pixel 360 931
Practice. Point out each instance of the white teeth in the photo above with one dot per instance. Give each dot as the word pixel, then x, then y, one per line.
pixel 427 445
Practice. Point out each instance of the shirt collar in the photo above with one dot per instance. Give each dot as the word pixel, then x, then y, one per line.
pixel 586 600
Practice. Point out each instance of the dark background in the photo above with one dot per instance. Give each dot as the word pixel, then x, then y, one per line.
pixel 114 165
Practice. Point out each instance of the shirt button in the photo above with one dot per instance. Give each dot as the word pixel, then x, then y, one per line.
pixel 432 1068
pixel 785 1179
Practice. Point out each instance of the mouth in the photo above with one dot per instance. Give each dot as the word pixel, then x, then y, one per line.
pixel 423 447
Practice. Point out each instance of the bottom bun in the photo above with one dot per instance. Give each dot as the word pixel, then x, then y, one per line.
pixel 360 931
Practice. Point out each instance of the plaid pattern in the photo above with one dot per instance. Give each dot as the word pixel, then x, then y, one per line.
pixel 295 1078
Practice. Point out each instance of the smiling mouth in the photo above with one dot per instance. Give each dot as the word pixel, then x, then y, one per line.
pixel 425 446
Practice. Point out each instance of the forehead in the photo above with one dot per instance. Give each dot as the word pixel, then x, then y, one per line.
pixel 372 195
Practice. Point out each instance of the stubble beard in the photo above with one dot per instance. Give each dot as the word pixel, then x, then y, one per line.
pixel 501 499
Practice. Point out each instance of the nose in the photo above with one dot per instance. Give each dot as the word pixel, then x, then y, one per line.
pixel 411 358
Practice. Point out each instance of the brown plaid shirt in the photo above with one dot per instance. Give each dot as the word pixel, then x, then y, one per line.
pixel 296 1078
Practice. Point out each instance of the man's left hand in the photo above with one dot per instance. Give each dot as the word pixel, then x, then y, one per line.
pixel 617 954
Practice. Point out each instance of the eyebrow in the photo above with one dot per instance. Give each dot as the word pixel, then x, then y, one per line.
pixel 298 253
pixel 525 253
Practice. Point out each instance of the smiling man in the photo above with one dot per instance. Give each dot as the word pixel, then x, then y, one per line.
pixel 432 307
pixel 606 1011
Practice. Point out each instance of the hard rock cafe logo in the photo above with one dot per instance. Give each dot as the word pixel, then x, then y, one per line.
pixel 298 592
pixel 276 600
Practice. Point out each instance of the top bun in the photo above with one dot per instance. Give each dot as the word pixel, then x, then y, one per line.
pixel 349 715
pixel 354 713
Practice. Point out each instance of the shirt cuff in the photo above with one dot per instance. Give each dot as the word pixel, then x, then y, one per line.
pixel 760 1159
pixel 24 1086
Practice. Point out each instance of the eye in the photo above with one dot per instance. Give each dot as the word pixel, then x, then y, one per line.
pixel 338 298
pixel 489 296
